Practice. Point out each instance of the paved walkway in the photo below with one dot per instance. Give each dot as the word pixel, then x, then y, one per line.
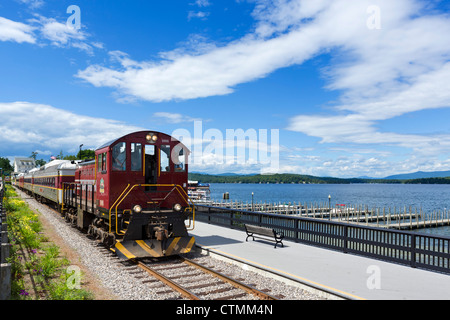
pixel 353 276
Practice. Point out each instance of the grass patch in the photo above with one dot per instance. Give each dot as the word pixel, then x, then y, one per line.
pixel 37 269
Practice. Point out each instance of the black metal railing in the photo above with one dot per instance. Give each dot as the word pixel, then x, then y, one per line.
pixel 417 250
pixel 5 266
pixel 79 195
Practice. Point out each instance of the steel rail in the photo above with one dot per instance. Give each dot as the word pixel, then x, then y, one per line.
pixel 186 293
pixel 233 282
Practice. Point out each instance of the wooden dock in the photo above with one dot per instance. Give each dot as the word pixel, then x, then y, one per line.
pixel 419 224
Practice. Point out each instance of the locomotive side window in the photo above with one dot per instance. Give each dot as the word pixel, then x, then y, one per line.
pixel 136 157
pixel 165 158
pixel 178 158
pixel 119 157
pixel 104 166
pixel 101 162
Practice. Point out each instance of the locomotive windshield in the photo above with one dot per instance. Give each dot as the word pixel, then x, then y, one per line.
pixel 136 157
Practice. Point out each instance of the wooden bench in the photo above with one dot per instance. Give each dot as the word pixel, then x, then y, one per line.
pixel 266 232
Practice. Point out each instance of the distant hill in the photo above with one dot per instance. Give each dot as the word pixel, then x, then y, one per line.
pixel 420 175
pixel 226 174
pixel 306 179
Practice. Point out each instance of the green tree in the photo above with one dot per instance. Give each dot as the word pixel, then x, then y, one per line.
pixel 40 162
pixel 86 154
pixel 60 156
pixel 6 166
pixel 70 157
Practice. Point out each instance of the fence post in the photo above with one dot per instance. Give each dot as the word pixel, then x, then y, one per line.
pixel 5 283
pixel 345 238
pixel 231 219
pixel 413 251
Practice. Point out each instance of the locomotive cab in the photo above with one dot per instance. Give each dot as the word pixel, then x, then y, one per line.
pixel 141 195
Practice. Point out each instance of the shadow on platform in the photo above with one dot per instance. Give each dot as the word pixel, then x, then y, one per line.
pixel 215 240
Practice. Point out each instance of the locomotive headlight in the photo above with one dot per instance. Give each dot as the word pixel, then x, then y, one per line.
pixel 137 208
pixel 177 207
pixel 151 137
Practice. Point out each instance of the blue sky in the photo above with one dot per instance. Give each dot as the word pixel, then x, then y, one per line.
pixel 343 88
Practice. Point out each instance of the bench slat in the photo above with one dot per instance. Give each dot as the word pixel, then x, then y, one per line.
pixel 263 231
pixel 260 230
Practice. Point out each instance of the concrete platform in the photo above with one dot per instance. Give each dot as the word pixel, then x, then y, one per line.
pixel 347 275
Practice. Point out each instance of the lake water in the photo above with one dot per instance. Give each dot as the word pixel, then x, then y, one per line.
pixel 428 197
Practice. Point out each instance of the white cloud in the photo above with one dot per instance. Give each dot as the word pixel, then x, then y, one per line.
pixel 46 127
pixel 215 72
pixel 202 3
pixel 61 35
pixel 174 117
pixel 33 4
pixel 16 31
pixel 40 29
pixel 199 14
pixel 429 90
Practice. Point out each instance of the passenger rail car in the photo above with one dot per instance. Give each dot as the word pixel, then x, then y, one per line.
pixel 49 179
pixel 132 196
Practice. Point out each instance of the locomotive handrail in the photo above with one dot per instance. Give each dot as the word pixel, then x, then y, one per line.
pixel 193 212
pixel 116 209
pixel 117 202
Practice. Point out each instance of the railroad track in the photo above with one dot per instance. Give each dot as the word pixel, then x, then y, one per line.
pixel 198 282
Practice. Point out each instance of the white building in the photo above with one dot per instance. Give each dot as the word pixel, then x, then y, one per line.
pixel 22 165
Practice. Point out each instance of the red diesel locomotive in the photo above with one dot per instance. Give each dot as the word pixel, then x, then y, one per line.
pixel 132 196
